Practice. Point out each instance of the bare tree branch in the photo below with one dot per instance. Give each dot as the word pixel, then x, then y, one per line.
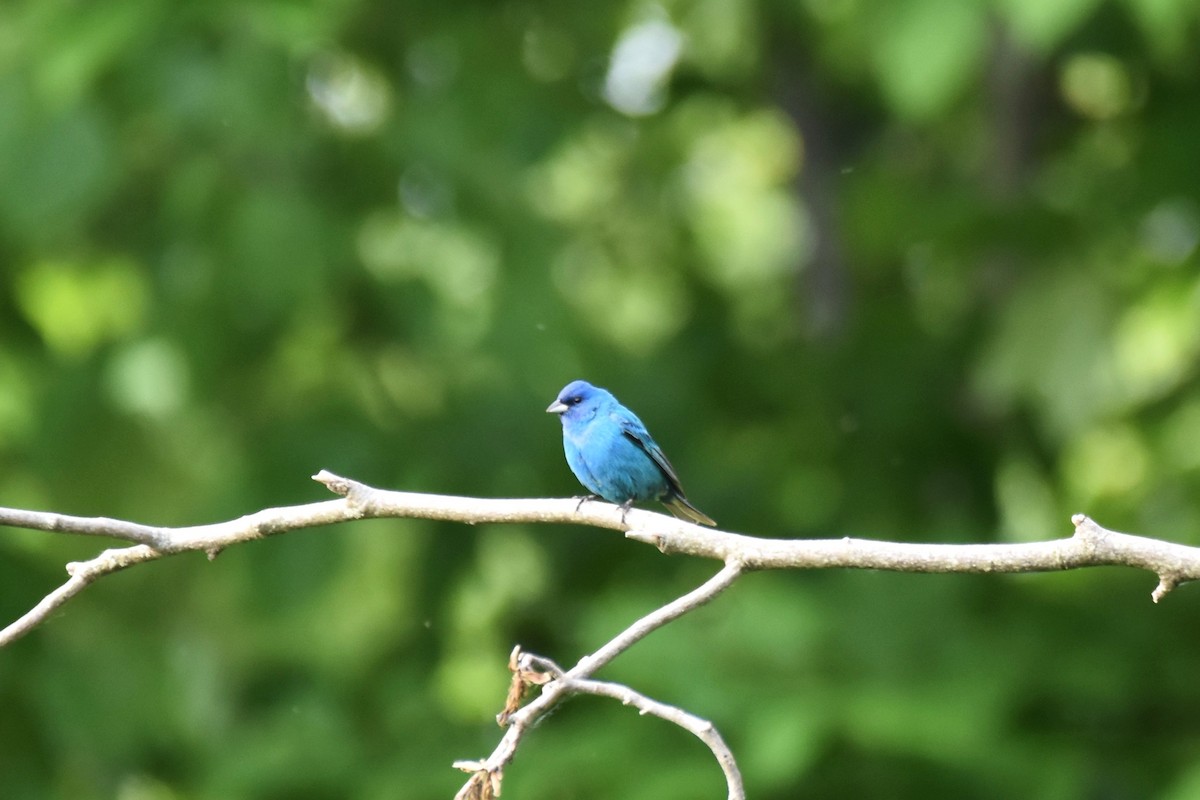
pixel 159 542
pixel 488 773
pixel 88 526
pixel 1092 545
pixel 701 728
pixel 530 669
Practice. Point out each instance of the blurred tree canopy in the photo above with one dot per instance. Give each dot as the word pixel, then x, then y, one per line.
pixel 922 270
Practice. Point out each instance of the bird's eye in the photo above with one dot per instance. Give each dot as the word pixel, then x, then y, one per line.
pixel 574 401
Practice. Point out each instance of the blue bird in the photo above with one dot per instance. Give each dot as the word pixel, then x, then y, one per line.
pixel 613 455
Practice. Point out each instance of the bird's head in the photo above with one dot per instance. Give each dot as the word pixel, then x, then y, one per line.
pixel 578 401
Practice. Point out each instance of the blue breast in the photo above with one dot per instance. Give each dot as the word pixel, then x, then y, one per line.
pixel 608 463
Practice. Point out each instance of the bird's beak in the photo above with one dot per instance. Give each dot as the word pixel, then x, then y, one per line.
pixel 557 407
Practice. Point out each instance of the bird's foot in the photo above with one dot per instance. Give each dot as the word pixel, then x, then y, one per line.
pixel 583 499
pixel 625 509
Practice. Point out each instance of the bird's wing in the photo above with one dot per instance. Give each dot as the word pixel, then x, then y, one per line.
pixel 636 432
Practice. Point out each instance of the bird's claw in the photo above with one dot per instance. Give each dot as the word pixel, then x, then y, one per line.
pixel 585 498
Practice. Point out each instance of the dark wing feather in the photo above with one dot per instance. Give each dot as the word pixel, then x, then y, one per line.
pixel 674 499
pixel 636 432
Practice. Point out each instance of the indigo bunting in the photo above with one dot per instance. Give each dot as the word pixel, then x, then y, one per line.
pixel 613 455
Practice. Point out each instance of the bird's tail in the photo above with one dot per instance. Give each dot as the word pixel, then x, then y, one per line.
pixel 680 507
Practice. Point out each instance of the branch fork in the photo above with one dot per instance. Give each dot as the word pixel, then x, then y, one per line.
pixel 531 670
pixel 1091 545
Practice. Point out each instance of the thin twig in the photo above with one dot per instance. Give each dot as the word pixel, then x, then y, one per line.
pixel 489 772
pixel 702 594
pixel 701 728
pixel 87 526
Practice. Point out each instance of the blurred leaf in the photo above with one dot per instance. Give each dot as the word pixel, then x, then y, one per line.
pixel 78 44
pixel 1165 23
pixel 57 169
pixel 922 270
pixel 75 307
pixel 926 53
pixel 1044 25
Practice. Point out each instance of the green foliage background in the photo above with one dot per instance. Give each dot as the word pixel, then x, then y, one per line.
pixel 923 270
